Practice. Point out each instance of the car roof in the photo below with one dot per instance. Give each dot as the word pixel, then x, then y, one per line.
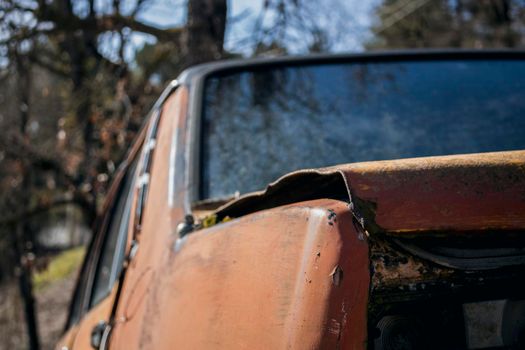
pixel 198 72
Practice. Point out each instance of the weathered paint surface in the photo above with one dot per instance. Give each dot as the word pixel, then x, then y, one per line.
pixel 138 307
pixel 393 268
pixel 458 193
pixel 403 197
pixel 67 339
pixel 98 313
pixel 294 277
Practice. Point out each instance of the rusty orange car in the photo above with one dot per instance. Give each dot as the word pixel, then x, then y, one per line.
pixel 365 201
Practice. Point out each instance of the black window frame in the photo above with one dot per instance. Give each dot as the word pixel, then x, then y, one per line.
pixel 196 78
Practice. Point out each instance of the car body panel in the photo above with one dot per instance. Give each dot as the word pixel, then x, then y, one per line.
pixel 67 339
pixel 293 277
pixel 460 192
pixel 135 312
pixel 99 313
pixel 404 197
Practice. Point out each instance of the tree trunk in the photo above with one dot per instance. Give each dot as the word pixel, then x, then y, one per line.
pixel 22 237
pixel 457 37
pixel 79 55
pixel 204 37
pixel 25 285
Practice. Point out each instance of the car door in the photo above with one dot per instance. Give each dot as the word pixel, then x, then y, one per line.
pixel 97 287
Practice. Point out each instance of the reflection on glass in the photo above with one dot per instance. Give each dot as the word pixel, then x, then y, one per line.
pixel 259 125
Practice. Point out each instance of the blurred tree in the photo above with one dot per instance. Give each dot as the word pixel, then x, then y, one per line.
pixel 300 27
pixel 100 100
pixel 444 23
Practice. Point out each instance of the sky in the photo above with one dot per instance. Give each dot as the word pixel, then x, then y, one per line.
pixel 346 21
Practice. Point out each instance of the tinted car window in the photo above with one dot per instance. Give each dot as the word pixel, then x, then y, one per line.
pixel 113 248
pixel 80 288
pixel 259 125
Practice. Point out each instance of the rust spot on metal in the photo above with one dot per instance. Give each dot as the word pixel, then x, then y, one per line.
pixel 332 217
pixel 394 268
pixel 410 196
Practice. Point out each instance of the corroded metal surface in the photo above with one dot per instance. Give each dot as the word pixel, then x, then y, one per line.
pixel 137 309
pixel 403 197
pixel 393 268
pixel 461 193
pixel 294 277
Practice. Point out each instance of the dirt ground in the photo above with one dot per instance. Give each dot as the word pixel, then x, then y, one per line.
pixel 52 306
pixel 53 303
pixel 12 330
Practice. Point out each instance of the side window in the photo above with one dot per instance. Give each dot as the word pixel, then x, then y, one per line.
pixel 75 308
pixel 112 252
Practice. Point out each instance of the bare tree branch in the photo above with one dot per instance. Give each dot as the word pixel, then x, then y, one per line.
pixel 116 21
pixel 16 147
pixel 79 198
